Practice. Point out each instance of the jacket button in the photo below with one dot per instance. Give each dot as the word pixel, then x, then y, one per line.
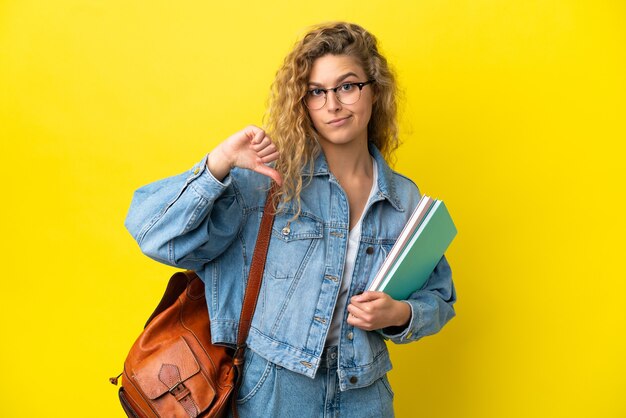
pixel 350 335
pixel 353 379
pixel 196 171
pixel 370 250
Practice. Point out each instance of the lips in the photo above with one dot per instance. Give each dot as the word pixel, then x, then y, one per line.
pixel 338 121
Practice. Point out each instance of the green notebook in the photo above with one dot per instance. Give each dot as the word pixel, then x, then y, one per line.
pixel 416 254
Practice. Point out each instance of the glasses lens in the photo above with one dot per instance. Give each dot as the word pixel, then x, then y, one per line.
pixel 348 94
pixel 315 100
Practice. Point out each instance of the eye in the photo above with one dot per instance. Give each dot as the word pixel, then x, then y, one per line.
pixel 346 87
pixel 316 92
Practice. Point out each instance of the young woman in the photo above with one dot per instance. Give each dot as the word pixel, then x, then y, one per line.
pixel 316 347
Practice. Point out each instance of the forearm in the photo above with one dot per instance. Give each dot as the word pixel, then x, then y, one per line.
pixel 431 307
pixel 171 219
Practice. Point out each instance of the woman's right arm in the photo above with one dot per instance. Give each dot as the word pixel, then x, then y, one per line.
pixel 187 220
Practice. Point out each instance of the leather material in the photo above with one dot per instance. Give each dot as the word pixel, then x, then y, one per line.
pixel 173 370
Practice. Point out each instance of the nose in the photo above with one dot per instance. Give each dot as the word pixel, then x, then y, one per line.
pixel 332 103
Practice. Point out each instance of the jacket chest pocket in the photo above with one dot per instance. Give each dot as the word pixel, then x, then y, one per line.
pixel 292 245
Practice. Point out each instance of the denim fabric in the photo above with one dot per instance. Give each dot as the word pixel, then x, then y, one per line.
pixel 193 221
pixel 269 390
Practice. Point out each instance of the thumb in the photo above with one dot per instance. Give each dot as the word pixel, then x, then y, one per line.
pixel 269 172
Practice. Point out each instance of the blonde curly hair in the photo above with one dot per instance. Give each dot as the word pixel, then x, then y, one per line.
pixel 287 118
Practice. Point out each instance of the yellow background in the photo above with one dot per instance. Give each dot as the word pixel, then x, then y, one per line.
pixel 513 114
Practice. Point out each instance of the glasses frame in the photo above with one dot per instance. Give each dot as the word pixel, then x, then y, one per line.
pixel 360 85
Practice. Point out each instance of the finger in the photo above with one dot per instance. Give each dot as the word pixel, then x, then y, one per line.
pixel 353 318
pixel 367 308
pixel 367 296
pixel 249 132
pixel 258 137
pixel 361 303
pixel 357 311
pixel 269 172
pixel 372 295
pixel 355 307
pixel 270 149
pixel 269 158
pixel 266 145
pixel 359 323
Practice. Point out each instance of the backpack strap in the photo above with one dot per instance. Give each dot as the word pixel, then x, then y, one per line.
pixel 252 288
pixel 256 272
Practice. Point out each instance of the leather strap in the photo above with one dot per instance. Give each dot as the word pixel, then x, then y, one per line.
pixel 170 376
pixel 253 287
pixel 256 270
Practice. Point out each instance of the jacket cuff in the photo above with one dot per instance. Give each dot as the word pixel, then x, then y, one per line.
pixel 399 334
pixel 203 181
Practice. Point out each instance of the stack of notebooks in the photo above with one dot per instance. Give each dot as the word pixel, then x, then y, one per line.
pixel 417 251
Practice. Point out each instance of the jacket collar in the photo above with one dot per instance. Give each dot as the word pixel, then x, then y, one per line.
pixel 386 182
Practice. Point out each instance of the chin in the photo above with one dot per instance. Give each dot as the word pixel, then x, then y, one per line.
pixel 338 138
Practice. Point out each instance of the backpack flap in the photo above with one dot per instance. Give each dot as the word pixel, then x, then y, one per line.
pixel 173 374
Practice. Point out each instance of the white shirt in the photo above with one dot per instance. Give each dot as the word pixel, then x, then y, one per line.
pixel 353 245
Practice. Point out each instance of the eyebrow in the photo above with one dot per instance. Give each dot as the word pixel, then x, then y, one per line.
pixel 339 80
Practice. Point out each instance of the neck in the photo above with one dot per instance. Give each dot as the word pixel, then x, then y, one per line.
pixel 347 161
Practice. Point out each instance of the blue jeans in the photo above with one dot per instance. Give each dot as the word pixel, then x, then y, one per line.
pixel 268 390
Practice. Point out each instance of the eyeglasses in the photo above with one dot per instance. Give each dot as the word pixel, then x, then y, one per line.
pixel 346 93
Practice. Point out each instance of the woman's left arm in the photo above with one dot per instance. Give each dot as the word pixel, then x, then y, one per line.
pixel 424 313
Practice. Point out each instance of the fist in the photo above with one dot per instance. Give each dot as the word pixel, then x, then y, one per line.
pixel 251 148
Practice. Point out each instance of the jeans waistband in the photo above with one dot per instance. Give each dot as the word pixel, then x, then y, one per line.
pixel 329 357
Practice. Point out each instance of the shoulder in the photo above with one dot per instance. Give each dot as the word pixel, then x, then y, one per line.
pixel 399 189
pixel 405 183
pixel 406 191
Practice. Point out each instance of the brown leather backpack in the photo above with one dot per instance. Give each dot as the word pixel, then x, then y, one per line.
pixel 173 369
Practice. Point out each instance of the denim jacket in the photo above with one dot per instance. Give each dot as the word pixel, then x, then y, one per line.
pixel 194 221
